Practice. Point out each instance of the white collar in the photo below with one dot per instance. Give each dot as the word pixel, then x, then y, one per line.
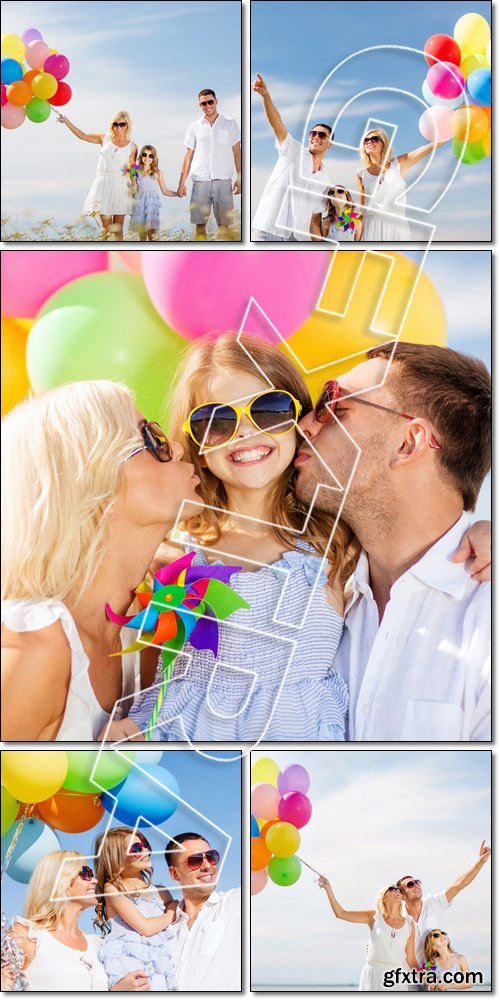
pixel 181 909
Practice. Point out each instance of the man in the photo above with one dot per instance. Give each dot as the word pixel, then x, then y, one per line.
pixel 415 648
pixel 284 214
pixel 213 150
pixel 207 928
pixel 427 911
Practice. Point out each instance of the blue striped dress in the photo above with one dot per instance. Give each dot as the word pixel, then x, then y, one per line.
pixel 273 678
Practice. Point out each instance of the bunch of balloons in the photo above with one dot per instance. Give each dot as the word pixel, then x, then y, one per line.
pixel 32 79
pixel 130 316
pixel 280 808
pixel 44 791
pixel 458 88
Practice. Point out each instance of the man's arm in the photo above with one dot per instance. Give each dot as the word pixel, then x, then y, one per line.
pixel 273 116
pixel 468 877
pixel 186 167
pixel 315 227
pixel 237 166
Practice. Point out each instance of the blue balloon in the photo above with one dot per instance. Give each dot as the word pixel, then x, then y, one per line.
pixel 11 71
pixel 478 87
pixel 148 756
pixel 254 827
pixel 36 840
pixel 137 796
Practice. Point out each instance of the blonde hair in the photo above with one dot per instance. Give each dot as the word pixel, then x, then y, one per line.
pixel 112 849
pixel 430 948
pixel 349 204
pixel 52 877
pixel 285 509
pixel 154 166
pixel 386 143
pixel 62 461
pixel 380 904
pixel 115 118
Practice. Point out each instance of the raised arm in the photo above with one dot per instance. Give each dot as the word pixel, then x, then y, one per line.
pixel 86 136
pixel 273 116
pixel 463 880
pixel 408 160
pixel 353 916
pixel 186 167
pixel 126 909
pixel 476 546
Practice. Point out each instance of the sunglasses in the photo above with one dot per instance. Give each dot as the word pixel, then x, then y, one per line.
pixel 332 392
pixel 437 934
pixel 212 424
pixel 320 135
pixel 119 124
pixel 85 873
pixel 412 883
pixel 140 847
pixel 205 104
pixel 149 156
pixel 195 861
pixel 372 138
pixel 155 441
pixel 393 888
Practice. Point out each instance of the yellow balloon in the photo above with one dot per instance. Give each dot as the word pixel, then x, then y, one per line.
pixel 473 62
pixel 13 47
pixel 469 124
pixel 327 345
pixel 488 53
pixel 283 840
pixel 472 33
pixel 33 776
pixel 15 381
pixel 44 86
pixel 487 143
pixel 267 770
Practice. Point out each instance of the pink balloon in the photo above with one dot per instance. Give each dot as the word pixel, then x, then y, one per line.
pixel 435 123
pixel 265 801
pixel 208 292
pixel 12 117
pixel 295 808
pixel 36 53
pixel 258 881
pixel 131 259
pixel 4 94
pixel 445 80
pixel 30 277
pixel 293 778
pixel 57 65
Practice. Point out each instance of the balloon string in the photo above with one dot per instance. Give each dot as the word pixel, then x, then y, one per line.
pixel 309 866
pixel 27 812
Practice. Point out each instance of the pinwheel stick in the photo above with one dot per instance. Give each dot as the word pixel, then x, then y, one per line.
pixel 148 735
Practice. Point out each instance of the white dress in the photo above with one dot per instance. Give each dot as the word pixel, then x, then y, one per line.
pixel 384 220
pixel 334 233
pixel 110 194
pixel 84 718
pixel 59 969
pixel 386 952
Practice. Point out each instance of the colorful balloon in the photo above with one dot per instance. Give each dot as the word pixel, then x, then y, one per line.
pixel 15 381
pixel 284 871
pixel 148 756
pixel 260 855
pixel 4 94
pixel 44 86
pixel 283 840
pixel 29 277
pixel 13 47
pixel 431 98
pixel 472 33
pixel 111 769
pixel 254 827
pixel 479 87
pixel 31 35
pixel 35 841
pixel 62 95
pixel 265 800
pixel 294 778
pixel 57 65
pixel 267 826
pixel 38 111
pixel 29 76
pixel 295 808
pixel 265 769
pixel 442 48
pixel 10 807
pixel 469 153
pixel 12 116
pixel 445 80
pixel 142 801
pixel 33 784
pixel 71 812
pixel 473 62
pixel 435 123
pixel 11 70
pixel 488 53
pixel 36 53
pixel 470 124
pixel 487 143
pixel 258 881
pixel 19 93
pixel 131 259
pixel 199 294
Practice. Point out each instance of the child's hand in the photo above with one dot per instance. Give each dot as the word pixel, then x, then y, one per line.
pixel 476 545
pixel 181 191
pixel 121 730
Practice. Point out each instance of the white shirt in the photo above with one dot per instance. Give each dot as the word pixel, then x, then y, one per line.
pixel 213 148
pixel 283 211
pixel 423 672
pixel 431 918
pixel 208 955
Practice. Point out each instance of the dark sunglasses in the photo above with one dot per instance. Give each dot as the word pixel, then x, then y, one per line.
pixel 194 861
pixel 393 888
pixel 211 424
pixel 140 847
pixel 413 882
pixel 85 873
pixel 155 441
pixel 372 138
pixel 205 104
pixel 315 133
pixel 119 124
pixel 149 156
pixel 332 392
pixel 437 934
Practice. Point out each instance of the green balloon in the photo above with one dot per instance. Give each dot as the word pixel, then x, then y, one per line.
pixel 10 809
pixel 104 326
pixel 474 151
pixel 284 871
pixel 111 770
pixel 37 110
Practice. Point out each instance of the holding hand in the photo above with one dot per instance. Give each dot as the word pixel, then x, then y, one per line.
pixel 181 191
pixel 323 882
pixel 259 86
pixel 476 545
pixel 237 185
pixel 61 118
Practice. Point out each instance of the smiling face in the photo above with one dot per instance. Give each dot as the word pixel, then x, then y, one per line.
pixel 83 890
pixel 136 861
pixel 413 893
pixel 320 141
pixel 199 881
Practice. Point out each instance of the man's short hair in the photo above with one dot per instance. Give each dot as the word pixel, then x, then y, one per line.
pixel 173 845
pixel 323 125
pixel 453 391
pixel 401 880
pixel 206 93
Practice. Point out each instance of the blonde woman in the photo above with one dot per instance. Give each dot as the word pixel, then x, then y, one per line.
pixel 58 955
pixel 439 953
pixel 89 489
pixel 382 184
pixel 110 196
pixel 391 944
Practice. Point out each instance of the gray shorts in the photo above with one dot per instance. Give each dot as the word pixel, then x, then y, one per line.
pixel 216 195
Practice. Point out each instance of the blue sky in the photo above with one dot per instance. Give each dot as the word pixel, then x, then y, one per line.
pixel 210 787
pixel 295 46
pixel 149 59
pixel 377 815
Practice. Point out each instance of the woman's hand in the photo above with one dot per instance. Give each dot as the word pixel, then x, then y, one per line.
pixel 323 882
pixel 120 730
pixel 137 981
pixel 476 546
pixel 61 118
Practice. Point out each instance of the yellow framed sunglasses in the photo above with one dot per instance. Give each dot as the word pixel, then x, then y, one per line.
pixel 210 425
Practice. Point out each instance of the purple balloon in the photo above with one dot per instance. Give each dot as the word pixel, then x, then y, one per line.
pixel 31 35
pixel 293 778
pixel 295 808
pixel 58 65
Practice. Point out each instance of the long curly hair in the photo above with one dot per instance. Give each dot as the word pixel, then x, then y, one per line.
pixel 112 850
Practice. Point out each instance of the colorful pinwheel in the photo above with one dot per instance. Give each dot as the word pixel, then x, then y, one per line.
pixel 347 220
pixel 186 603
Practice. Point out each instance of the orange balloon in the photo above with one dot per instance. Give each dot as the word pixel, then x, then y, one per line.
pixel 487 112
pixel 267 826
pixel 71 812
pixel 472 118
pixel 15 382
pixel 28 77
pixel 260 855
pixel 487 143
pixel 19 93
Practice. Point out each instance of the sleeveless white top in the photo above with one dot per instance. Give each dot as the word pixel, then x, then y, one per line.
pixel 84 717
pixel 57 968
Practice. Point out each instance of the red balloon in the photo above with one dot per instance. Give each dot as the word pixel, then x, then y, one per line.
pixel 62 95
pixel 444 48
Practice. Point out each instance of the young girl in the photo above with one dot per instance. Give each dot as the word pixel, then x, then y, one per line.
pixel 439 953
pixel 133 916
pixel 332 225
pixel 274 676
pixel 146 211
